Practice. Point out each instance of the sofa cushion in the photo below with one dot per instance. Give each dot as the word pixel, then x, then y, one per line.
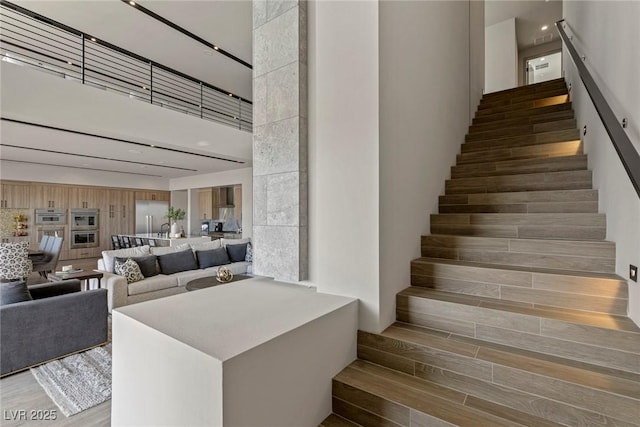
pixel 249 256
pixel 177 261
pixel 235 268
pixel 128 269
pixel 14 261
pixel 110 256
pixel 226 242
pixel 237 253
pixel 12 292
pixel 185 277
pixel 148 264
pixel 151 284
pixel 212 258
pixel 205 246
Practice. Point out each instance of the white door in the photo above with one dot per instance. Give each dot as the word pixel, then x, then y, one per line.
pixel 543 68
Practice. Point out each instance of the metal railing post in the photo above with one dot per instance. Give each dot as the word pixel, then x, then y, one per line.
pixel 83 67
pixel 151 82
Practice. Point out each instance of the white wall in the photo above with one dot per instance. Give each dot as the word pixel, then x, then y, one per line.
pixel 343 152
pixel 232 177
pixel 501 56
pixel 607 34
pixel 476 54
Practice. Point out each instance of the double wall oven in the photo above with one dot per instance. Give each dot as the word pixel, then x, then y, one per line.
pixel 84 225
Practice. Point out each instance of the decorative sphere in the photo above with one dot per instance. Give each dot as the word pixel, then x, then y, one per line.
pixel 224 275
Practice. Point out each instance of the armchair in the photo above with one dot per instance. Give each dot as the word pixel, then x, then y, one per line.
pixel 60 320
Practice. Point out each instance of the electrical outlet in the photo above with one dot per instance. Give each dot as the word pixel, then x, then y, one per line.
pixel 633 272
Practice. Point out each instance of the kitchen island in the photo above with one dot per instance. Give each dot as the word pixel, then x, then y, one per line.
pixel 165 241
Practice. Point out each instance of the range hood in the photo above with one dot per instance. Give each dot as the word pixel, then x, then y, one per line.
pixel 229 197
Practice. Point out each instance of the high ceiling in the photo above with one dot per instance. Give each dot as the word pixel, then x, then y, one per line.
pixel 227 24
pixel 184 145
pixel 531 16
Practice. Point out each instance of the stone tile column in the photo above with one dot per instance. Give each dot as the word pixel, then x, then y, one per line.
pixel 280 227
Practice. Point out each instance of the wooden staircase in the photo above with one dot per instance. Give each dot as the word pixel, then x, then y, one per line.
pixel 514 316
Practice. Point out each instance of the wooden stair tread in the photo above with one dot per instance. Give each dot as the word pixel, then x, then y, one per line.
pixel 524 105
pixel 520 114
pixel 535 151
pixel 334 420
pixel 604 321
pixel 541 124
pixel 575 219
pixel 408 392
pixel 548 196
pixel 597 377
pixel 542 117
pixel 518 98
pixel 519 89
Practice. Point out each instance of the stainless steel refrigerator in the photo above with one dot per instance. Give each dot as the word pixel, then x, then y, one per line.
pixel 150 215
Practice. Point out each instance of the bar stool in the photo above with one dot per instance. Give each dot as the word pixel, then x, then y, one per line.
pixel 151 242
pixel 115 242
pixel 138 241
pixel 125 241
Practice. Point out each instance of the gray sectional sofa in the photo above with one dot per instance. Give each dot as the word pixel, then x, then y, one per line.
pixel 121 293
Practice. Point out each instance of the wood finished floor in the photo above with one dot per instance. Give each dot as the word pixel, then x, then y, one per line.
pixel 21 391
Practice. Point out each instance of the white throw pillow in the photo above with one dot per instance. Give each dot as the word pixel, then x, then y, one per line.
pixel 110 256
pixel 163 250
pixel 206 246
pixel 129 269
pixel 226 242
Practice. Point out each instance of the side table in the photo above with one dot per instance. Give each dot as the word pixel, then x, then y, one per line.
pixel 84 275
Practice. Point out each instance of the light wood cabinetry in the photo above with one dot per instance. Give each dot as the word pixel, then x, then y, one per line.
pixel 205 204
pixel 85 197
pixel 14 195
pixel 118 215
pixel 49 196
pixel 153 195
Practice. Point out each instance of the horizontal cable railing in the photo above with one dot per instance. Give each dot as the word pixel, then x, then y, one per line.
pixel 625 149
pixel 35 41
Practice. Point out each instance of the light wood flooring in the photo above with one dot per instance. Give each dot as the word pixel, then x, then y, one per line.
pixel 21 391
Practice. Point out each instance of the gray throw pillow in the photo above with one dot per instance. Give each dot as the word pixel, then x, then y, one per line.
pixel 237 253
pixel 148 264
pixel 212 258
pixel 177 261
pixel 13 292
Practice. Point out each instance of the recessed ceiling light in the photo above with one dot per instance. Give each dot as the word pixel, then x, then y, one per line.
pixel 135 151
pixel 152 146
pixel 202 143
pixel 544 27
pixel 230 94
pixel 541 59
pixel 69 62
pixel 93 39
pixel 216 47
pixel 132 3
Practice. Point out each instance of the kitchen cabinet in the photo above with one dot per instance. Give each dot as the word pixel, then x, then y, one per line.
pixel 205 204
pixel 85 197
pixel 153 195
pixel 85 253
pixel 14 195
pixel 118 216
pixel 44 196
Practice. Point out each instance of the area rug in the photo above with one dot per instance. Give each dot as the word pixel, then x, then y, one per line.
pixel 77 382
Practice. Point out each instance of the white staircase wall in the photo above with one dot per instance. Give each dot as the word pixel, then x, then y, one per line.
pixel 501 56
pixel 605 33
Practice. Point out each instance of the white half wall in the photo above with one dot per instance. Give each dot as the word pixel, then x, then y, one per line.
pixel 607 34
pixel 501 56
pixel 343 152
pixel 232 177
pixel 424 115
pixel 476 55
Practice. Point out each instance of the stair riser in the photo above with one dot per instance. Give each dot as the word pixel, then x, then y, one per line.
pixel 520 246
pixel 522 90
pixel 526 105
pixel 505 132
pixel 522 140
pixel 558 149
pixel 517 167
pixel 515 100
pixel 555 262
pixel 615 306
pixel 348 402
pixel 552 220
pixel 525 182
pixel 521 114
pixel 521 121
pixel 491 281
pixel 475 377
pixel 571 207
pixel 524 232
pixel 613 349
pixel 536 197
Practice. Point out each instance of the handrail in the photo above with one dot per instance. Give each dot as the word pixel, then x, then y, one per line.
pixel 30 39
pixel 621 142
